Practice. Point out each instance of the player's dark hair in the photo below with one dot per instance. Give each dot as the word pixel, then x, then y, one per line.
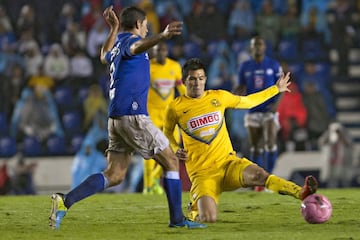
pixel 129 16
pixel 191 65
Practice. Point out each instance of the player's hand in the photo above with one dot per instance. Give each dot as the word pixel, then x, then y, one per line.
pixel 172 29
pixel 111 17
pixel 181 154
pixel 283 82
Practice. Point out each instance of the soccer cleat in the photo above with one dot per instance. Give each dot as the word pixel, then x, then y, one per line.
pixel 186 223
pixel 310 187
pixel 58 210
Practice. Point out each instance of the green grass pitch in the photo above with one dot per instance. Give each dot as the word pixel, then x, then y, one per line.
pixel 242 215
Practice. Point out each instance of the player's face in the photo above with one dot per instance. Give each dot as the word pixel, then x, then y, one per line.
pixel 257 47
pixel 160 52
pixel 143 28
pixel 195 83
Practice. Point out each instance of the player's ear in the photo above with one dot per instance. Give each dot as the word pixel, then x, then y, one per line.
pixel 137 24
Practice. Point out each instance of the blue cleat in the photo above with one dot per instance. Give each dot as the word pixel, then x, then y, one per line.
pixel 186 223
pixel 58 210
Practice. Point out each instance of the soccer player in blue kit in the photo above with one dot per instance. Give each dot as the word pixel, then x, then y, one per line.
pixel 130 128
pixel 262 121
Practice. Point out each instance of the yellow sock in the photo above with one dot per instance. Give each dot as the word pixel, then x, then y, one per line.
pixel 157 172
pixel 282 186
pixel 148 168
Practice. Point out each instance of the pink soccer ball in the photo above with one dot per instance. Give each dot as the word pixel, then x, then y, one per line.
pixel 316 208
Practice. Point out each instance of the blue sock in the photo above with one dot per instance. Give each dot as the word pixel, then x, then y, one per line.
pixel 257 158
pixel 93 184
pixel 173 192
pixel 270 158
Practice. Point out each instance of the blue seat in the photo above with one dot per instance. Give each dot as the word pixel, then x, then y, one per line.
pixel 31 146
pixel 312 49
pixel 82 94
pixel 8 147
pixel 56 146
pixel 288 49
pixel 63 97
pixel 3 124
pixel 75 143
pixel 192 49
pixel 72 123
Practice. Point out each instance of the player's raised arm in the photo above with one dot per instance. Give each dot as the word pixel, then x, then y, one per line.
pixel 172 29
pixel 113 21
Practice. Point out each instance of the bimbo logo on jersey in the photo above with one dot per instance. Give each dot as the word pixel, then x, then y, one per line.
pixel 204 120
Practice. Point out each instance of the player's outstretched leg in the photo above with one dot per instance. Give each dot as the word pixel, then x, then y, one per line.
pixel 310 187
pixel 58 210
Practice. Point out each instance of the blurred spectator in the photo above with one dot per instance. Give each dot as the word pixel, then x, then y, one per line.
pixel 290 23
pixel 237 130
pixel 151 15
pixel 94 103
pixel 241 20
pixel 57 64
pixel 88 160
pixel 195 22
pixel 341 17
pixel 337 149
pixel 313 14
pixel 22 180
pixel 7 37
pixel 73 39
pixel 5 20
pixel 26 21
pixel 11 88
pixel 96 37
pixel 214 24
pixel 5 181
pixel 81 70
pixel 222 70
pixel 170 14
pixel 92 16
pixel 293 117
pixel 33 58
pixel 41 80
pixel 314 73
pixel 268 24
pixel 68 15
pixel 35 115
pixel 317 116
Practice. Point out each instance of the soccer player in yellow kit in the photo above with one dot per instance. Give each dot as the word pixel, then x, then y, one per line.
pixel 211 162
pixel 165 76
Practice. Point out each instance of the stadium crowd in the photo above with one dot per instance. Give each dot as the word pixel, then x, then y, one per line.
pixel 53 89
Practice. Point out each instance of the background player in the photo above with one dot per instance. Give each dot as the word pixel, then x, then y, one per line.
pixel 165 75
pixel 262 122
pixel 211 162
pixel 129 126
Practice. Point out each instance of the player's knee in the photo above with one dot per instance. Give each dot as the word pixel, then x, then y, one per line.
pixel 115 178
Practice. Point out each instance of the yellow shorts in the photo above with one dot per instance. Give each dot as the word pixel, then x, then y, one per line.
pixel 212 182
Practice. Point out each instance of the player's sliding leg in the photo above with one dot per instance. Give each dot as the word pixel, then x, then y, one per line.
pixel 282 186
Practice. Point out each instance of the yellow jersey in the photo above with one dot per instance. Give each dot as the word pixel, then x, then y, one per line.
pixel 203 127
pixel 163 80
